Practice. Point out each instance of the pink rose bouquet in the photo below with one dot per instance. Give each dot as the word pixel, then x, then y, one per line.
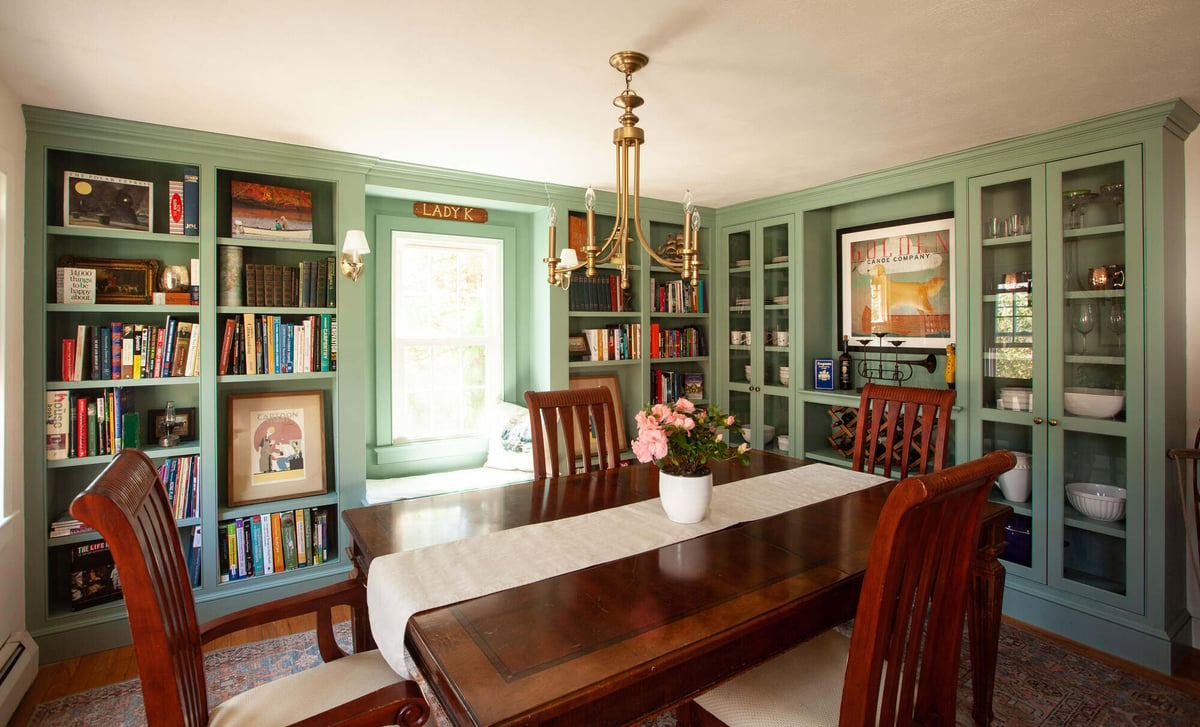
pixel 681 439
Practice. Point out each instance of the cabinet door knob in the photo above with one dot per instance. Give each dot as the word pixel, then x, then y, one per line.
pixel 1054 422
pixel 1038 420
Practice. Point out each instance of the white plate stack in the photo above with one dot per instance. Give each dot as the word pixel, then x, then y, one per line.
pixel 1015 398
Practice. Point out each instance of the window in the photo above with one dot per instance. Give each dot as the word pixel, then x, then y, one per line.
pixel 1014 334
pixel 447 360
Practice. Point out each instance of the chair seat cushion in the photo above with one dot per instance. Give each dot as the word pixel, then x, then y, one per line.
pixel 306 693
pixel 800 687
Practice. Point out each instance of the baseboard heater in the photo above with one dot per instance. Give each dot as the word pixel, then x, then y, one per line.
pixel 18 669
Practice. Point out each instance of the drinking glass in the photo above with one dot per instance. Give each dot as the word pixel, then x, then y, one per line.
pixel 1085 321
pixel 1116 323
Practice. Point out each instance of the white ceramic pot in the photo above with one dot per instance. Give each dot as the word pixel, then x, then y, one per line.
pixel 685 499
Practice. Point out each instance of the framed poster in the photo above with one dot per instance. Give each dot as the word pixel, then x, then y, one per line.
pixel 276 446
pixel 268 212
pixel 92 200
pixel 897 279
pixel 614 387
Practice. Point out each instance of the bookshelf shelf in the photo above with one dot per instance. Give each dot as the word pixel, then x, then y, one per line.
pixel 122 383
pixel 157 238
pixel 272 245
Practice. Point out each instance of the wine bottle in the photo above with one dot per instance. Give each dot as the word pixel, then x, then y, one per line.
pixel 845 366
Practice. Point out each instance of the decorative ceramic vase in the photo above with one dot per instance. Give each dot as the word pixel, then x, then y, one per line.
pixel 230 270
pixel 685 499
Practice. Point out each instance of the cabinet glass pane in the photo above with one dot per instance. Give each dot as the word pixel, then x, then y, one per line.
pixel 775 420
pixel 1007 278
pixel 739 406
pixel 1094 253
pixel 739 314
pixel 1016 491
pixel 1094 543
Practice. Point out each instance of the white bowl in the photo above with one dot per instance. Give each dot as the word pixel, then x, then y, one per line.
pixel 1098 403
pixel 782 442
pixel 1099 502
pixel 768 433
pixel 1015 399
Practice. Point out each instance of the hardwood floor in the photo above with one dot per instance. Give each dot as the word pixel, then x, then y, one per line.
pixel 118 665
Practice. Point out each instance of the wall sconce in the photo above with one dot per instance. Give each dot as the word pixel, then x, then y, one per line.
pixel 353 249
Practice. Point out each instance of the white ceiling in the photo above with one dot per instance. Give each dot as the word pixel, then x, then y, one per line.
pixel 743 99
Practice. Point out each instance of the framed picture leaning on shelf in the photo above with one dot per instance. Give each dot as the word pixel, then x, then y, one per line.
pixel 277 446
pixel 614 388
pixel 896 279
pixel 92 200
pixel 118 280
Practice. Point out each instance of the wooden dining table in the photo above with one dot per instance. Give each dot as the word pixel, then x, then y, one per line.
pixel 621 641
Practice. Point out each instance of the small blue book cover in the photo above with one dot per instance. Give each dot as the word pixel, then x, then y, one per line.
pixel 823 375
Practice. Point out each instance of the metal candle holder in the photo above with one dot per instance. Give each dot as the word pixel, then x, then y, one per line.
pixel 896 371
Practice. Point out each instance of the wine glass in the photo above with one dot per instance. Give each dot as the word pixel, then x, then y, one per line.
pixel 1115 193
pixel 1085 321
pixel 1116 322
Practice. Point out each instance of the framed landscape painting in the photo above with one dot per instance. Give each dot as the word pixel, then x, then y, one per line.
pixel 277 446
pixel 269 212
pixel 896 279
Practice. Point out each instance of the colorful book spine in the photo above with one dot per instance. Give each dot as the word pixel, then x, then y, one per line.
pixel 256 545
pixel 58 426
pixel 175 206
pixel 191 201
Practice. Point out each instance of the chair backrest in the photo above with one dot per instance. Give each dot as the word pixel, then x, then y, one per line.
pixel 914 596
pixel 585 414
pixel 904 426
pixel 128 506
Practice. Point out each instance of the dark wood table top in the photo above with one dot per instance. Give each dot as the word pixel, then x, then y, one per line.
pixel 618 641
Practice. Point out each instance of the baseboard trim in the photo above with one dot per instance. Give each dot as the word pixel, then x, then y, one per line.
pixel 18 670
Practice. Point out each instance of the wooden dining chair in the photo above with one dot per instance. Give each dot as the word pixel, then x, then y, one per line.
pixel 914 595
pixel 128 506
pixel 585 415
pixel 902 426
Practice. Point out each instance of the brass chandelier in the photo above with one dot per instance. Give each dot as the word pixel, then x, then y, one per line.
pixel 627 138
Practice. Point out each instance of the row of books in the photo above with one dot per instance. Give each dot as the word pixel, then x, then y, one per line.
pixel 670 386
pixel 614 343
pixel 181 478
pixel 601 293
pixel 311 284
pixel 677 296
pixel 65 525
pixel 89 424
pixel 94 579
pixel 685 342
pixel 268 344
pixel 274 542
pixel 132 351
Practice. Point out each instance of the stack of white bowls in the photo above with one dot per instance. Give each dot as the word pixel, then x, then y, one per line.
pixel 1015 398
pixel 785 375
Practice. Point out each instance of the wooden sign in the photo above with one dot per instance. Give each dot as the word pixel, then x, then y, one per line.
pixel 449 212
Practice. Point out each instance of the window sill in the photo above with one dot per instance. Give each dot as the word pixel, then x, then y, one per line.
pixel 432 449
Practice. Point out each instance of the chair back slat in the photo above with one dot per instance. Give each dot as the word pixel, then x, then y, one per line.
pixel 914 597
pixel 127 504
pixel 902 427
pixel 581 414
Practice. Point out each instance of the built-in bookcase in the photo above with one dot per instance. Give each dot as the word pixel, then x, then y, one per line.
pixel 300 326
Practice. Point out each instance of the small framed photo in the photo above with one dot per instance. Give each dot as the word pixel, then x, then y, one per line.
pixel 577 348
pixel 92 200
pixel 118 280
pixel 185 426
pixel 277 446
pixel 614 387
pixel 823 374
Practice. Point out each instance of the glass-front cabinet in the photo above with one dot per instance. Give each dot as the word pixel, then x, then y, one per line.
pixel 1056 305
pixel 759 357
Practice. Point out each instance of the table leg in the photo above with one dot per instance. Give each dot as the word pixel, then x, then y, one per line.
pixel 983 620
pixel 360 624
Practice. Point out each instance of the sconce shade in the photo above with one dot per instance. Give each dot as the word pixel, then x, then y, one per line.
pixel 568 258
pixel 356 243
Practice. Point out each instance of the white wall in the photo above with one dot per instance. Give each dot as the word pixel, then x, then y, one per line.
pixel 12 260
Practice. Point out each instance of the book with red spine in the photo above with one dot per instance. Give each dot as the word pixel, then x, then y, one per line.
pixel 226 345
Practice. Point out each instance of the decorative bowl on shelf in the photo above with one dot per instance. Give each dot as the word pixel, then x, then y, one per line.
pixel 1096 403
pixel 782 442
pixel 1105 503
pixel 1015 484
pixel 780 299
pixel 1015 398
pixel 768 434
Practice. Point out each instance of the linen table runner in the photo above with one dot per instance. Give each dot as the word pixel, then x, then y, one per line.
pixel 402 584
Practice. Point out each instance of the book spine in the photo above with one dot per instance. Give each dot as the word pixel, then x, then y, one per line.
pixel 58 427
pixel 333 343
pixel 222 555
pixel 302 537
pixel 175 206
pixel 247 548
pixel 277 542
pixel 231 530
pixel 289 539
pixel 330 283
pixel 191 201
pixel 256 540
pixel 241 548
pixel 101 341
pixel 267 549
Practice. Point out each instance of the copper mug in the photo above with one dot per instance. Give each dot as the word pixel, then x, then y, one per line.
pixel 1098 278
pixel 1116 276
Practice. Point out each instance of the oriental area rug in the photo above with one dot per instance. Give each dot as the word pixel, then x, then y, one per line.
pixel 1038 682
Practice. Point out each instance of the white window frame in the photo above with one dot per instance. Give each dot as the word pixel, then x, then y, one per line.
pixel 492 339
